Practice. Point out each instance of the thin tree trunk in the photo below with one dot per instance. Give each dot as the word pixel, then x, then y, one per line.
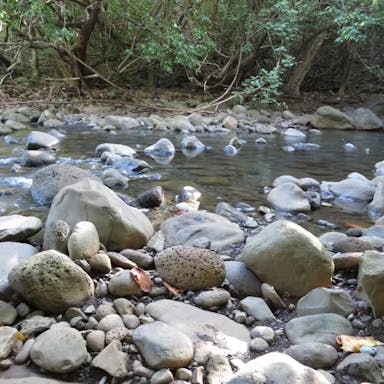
pixel 310 50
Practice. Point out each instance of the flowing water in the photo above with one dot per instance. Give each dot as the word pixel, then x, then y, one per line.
pixel 217 176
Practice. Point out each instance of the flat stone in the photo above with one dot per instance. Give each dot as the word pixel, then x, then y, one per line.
pixel 213 298
pixel 322 328
pixel 257 307
pixel 350 260
pixel 202 326
pixel 18 227
pixel 163 346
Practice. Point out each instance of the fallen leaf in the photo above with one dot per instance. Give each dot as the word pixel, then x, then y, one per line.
pixel 351 225
pixel 174 291
pixel 20 336
pixel 142 279
pixel 355 343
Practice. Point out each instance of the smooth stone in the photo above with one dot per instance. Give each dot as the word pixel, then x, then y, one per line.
pixel 38 139
pixel 117 149
pixel 162 345
pixel 23 355
pixel 8 313
pixel 18 228
pixel 289 197
pixel 365 119
pixel 292 132
pixel 8 339
pixel 123 285
pixel 217 368
pixel 270 294
pixel 110 322
pixel 258 345
pixel 314 355
pixel 329 117
pixel 242 280
pixel 105 309
pixel 120 333
pixel 59 350
pixel 141 259
pixel 100 263
pixel 192 143
pixel 349 260
pixel 123 123
pixel 163 376
pixel 36 324
pixel 326 300
pixel 230 123
pixel 112 360
pixel 37 158
pixel 208 299
pixel 285 249
pixel 123 306
pixel 190 268
pixel 191 226
pixel 261 331
pixel 131 321
pixel 355 189
pixel 119 226
pixel 56 236
pixel 276 368
pixel 361 365
pixel 51 281
pixel 96 341
pixel 370 281
pixel 330 238
pixel 202 327
pixel 231 213
pixel 113 178
pixel 322 328
pixel 83 243
pixel 376 206
pixel 49 180
pixel 119 260
pixel 162 148
pixel 257 307
pixel 351 244
pixel 152 198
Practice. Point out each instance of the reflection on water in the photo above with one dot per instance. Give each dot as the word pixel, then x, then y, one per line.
pixel 229 178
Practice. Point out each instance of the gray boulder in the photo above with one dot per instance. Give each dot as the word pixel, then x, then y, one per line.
pixel 119 226
pixel 18 227
pixel 151 198
pixel 191 227
pixel 326 300
pixel 163 346
pixel 242 280
pixel 356 189
pixel 370 281
pixel 276 368
pixel 365 119
pixel 59 350
pixel 49 180
pixel 376 206
pixel 289 258
pixel 329 117
pixel 51 281
pixel 37 140
pixel 204 328
pixel 190 268
pixel 37 158
pixel 289 197
pixel 162 148
pixel 123 123
pixel 113 178
pixel 116 149
pixel 322 328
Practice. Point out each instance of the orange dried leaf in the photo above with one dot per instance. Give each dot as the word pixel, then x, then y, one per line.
pixel 174 291
pixel 355 343
pixel 20 336
pixel 142 279
pixel 351 225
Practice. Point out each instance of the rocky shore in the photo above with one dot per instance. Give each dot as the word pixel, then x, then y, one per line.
pixel 100 292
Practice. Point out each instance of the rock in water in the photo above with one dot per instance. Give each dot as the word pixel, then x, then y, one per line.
pixel 151 198
pixel 51 281
pixel 289 258
pixel 119 226
pixel 162 148
pixel 59 350
pixel 289 197
pixel 37 140
pixel 49 180
pixel 18 227
pixel 190 268
pixel 329 117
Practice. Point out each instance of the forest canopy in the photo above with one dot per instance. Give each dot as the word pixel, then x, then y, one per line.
pixel 258 47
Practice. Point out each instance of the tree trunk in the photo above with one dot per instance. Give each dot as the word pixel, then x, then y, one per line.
pixel 310 50
pixel 346 72
pixel 80 51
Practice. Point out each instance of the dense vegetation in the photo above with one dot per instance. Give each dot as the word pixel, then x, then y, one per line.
pixel 256 47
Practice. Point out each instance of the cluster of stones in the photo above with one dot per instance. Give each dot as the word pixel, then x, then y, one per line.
pixel 212 315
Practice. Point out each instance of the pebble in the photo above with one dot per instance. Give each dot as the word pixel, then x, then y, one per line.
pixel 110 322
pixel 96 341
pixel 23 309
pixel 213 298
pixel 183 374
pixel 103 310
pixel 266 333
pixel 131 321
pixel 257 307
pixel 358 324
pixel 163 376
pixel 23 355
pixel 142 371
pixel 120 333
pixel 258 344
pixel 270 293
pixel 198 375
pixel 124 306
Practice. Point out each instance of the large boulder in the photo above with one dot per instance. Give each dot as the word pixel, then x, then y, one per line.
pixel 59 350
pixel 192 227
pixel 329 117
pixel 49 180
pixel 276 368
pixel 51 281
pixel 289 258
pixel 370 281
pixel 190 268
pixel 354 188
pixel 289 197
pixel 365 119
pixel 119 226
pixel 202 327
pixel 123 123
pixel 163 346
pixel 18 227
pixel 321 328
pixel 38 139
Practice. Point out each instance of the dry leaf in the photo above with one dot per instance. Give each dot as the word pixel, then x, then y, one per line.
pixel 20 336
pixel 174 291
pixel 355 343
pixel 142 279
pixel 351 225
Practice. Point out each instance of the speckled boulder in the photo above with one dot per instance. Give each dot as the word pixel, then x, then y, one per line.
pixel 51 281
pixel 190 268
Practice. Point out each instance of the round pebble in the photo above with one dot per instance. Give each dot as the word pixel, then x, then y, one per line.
pixel 258 345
